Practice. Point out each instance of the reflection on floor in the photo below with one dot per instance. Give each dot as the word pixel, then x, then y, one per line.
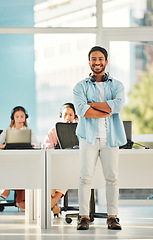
pixel 137 223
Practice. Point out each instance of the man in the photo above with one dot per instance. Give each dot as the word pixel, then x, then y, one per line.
pixel 98 101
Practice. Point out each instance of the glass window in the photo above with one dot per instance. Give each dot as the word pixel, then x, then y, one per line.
pixel 16 13
pixel 39 72
pixel 61 60
pixel 75 13
pixel 132 63
pixel 17 77
pixel 63 13
pixel 47 13
pixel 131 13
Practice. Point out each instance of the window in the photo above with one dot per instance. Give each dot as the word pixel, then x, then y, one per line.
pixel 131 13
pixel 131 63
pixel 57 73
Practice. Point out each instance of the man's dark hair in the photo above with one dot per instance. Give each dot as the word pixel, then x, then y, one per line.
pixel 98 48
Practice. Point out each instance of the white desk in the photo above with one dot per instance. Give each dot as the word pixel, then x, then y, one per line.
pixel 24 169
pixel 135 171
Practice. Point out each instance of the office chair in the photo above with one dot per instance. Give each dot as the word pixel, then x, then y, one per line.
pixel 67 139
pixel 9 202
pixel 66 207
pixel 92 214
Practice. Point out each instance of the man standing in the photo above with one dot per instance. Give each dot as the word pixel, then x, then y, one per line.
pixel 98 100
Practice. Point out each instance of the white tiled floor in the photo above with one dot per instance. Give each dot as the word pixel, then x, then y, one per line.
pixel 137 223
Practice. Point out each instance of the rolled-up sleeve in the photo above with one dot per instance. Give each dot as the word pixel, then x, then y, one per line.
pixel 80 99
pixel 117 104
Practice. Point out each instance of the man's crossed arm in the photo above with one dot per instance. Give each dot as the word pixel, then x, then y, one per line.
pixel 98 110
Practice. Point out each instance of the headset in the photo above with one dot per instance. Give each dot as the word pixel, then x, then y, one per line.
pixel 104 77
pixel 18 108
pixel 68 105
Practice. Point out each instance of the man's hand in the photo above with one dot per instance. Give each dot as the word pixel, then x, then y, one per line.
pixel 94 113
pixel 2 146
pixel 90 103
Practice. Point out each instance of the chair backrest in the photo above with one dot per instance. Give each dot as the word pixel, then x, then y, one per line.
pixel 66 135
pixel 128 129
pixel 128 132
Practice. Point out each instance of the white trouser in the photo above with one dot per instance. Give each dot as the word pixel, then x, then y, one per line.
pixel 109 160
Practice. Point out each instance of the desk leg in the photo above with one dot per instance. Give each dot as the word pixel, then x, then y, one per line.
pixel 42 196
pixel 29 204
pixel 39 208
pixel 36 204
pixel 48 191
pixel 49 208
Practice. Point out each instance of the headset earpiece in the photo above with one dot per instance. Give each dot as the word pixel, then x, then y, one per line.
pixel 104 77
pixel 92 78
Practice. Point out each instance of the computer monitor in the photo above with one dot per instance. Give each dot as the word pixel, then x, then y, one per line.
pixel 18 139
pixel 18 136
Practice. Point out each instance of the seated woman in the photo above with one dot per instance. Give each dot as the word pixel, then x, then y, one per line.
pixel 18 121
pixel 68 115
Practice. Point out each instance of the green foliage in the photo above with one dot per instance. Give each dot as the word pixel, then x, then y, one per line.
pixel 140 105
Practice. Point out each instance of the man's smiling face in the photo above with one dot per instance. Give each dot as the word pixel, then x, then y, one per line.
pixel 97 62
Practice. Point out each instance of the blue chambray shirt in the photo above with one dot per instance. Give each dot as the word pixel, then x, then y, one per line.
pixel 87 91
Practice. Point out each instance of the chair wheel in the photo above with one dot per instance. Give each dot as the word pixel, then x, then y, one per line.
pixel 79 217
pixel 91 219
pixel 1 208
pixel 68 220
